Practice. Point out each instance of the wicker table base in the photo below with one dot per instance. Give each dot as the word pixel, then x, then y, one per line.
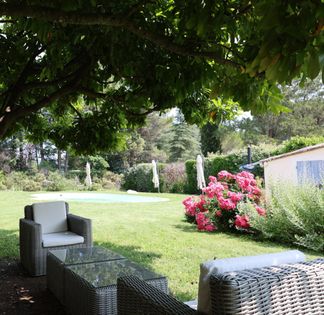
pixel 58 260
pixel 92 288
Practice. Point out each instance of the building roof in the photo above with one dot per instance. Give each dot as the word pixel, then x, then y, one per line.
pixel 303 150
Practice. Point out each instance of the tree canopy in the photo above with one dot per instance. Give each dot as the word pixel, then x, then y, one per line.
pixel 80 73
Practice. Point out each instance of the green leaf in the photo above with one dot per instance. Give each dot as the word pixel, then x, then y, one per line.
pixel 272 72
pixel 313 66
pixel 265 62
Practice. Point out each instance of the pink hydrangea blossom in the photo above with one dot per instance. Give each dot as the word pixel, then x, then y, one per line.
pixel 225 175
pixel 214 189
pixel 220 199
pixel 235 197
pixel 203 223
pixel 244 184
pixel 210 227
pixel 260 210
pixel 226 204
pixel 256 190
pixel 218 213
pixel 190 206
pixel 201 203
pixel 245 174
pixel 242 221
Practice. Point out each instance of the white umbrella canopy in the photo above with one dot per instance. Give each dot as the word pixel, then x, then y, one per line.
pixel 155 179
pixel 200 172
pixel 88 181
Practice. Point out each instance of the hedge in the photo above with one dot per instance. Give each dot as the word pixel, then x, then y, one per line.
pixel 139 178
pixel 297 142
pixel 230 162
pixel 233 161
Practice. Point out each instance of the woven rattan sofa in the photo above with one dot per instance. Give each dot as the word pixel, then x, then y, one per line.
pixel 46 226
pixel 284 289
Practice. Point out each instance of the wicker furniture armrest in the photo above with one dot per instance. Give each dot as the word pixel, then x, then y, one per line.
pixel 135 296
pixel 81 226
pixel 30 233
pixel 284 289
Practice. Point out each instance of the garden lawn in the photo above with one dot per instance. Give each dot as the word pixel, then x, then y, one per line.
pixel 154 235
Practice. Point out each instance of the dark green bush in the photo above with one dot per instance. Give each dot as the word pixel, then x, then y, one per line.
pixel 230 162
pixel 2 181
pixel 139 178
pixel 22 181
pixel 191 185
pixel 109 180
pixel 31 185
pixel 297 142
pixel 14 180
pixel 57 182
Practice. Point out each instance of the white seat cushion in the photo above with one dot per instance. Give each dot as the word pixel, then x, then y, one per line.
pixel 51 216
pixel 221 266
pixel 61 239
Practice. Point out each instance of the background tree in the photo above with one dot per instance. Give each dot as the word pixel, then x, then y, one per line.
pixel 80 73
pixel 304 118
pixel 211 133
pixel 184 140
pixel 156 134
pixel 210 139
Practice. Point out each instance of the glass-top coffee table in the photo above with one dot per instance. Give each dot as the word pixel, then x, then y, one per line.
pixel 92 288
pixel 85 279
pixel 58 260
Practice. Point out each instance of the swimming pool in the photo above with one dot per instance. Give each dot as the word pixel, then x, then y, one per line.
pixel 96 197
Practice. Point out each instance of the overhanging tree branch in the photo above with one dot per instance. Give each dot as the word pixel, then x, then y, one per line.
pixel 94 94
pixel 16 89
pixel 7 21
pixel 14 114
pixel 76 111
pixel 82 18
pixel 11 117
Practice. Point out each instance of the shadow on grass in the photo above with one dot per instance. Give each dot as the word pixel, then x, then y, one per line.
pixel 192 228
pixel 143 258
pixel 9 243
pixel 186 227
pixel 134 253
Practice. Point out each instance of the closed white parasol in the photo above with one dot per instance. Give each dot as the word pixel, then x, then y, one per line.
pixel 200 173
pixel 155 179
pixel 88 181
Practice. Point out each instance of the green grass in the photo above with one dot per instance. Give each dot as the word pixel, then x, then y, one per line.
pixel 152 234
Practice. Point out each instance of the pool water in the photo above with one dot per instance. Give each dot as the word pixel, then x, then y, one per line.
pixel 96 197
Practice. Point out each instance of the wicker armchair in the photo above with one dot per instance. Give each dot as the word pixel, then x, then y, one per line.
pixel 285 289
pixel 37 236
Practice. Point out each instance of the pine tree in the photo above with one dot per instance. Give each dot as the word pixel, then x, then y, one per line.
pixel 184 142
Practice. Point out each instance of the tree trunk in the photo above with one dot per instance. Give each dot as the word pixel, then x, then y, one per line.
pixel 42 153
pixel 21 161
pixel 36 156
pixel 59 160
pixel 66 163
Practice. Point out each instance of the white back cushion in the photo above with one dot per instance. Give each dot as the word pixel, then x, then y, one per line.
pixel 221 266
pixel 51 215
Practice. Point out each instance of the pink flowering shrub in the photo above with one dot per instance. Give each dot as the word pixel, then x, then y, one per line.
pixel 217 208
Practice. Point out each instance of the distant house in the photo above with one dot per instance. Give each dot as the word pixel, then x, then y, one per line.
pixel 298 167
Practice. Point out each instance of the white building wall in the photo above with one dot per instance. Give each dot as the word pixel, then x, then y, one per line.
pixel 285 169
